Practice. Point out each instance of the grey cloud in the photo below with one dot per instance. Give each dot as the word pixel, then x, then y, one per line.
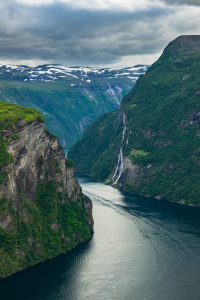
pixel 187 2
pixel 57 34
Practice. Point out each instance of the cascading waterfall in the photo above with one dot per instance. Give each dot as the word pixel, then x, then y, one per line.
pixel 111 90
pixel 81 126
pixel 120 165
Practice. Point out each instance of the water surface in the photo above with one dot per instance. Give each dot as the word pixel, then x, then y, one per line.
pixel 142 249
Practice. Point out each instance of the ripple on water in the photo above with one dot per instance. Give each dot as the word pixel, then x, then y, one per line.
pixel 141 249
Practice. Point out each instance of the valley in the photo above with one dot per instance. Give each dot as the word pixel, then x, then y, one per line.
pixel 69 98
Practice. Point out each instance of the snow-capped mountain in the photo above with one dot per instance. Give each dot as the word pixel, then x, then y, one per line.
pixel 59 72
pixel 69 98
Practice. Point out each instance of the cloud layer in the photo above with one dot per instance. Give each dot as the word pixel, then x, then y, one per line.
pixel 94 33
pixel 187 2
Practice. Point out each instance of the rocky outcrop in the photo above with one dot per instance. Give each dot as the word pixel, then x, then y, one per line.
pixel 35 152
pixel 131 173
pixel 43 212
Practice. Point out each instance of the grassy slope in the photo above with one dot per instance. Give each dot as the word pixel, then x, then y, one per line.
pixel 9 115
pixel 162 123
pixel 15 112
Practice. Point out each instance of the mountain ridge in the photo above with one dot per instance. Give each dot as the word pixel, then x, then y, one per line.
pixel 69 98
pixel 155 151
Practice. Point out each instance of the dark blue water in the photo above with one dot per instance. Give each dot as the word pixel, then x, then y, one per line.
pixel 142 249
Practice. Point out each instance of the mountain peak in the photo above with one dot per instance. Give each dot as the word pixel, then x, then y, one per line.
pixel 183 45
pixel 150 146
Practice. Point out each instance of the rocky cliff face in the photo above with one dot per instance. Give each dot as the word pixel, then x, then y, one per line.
pixel 34 152
pixel 43 212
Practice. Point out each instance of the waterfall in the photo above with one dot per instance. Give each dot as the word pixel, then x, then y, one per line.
pixel 112 92
pixel 120 165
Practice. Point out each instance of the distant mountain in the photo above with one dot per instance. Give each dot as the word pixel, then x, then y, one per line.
pixel 69 98
pixel 151 145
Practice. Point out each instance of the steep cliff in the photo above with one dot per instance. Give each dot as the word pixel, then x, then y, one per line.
pixel 43 212
pixel 151 145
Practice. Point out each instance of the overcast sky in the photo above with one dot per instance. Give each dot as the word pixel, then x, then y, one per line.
pixel 107 33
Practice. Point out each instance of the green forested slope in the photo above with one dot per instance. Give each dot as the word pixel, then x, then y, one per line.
pixel 162 137
pixel 66 110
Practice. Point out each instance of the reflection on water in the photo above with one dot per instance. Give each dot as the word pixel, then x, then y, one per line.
pixel 141 249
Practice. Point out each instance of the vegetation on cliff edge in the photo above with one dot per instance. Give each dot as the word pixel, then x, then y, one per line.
pixel 9 116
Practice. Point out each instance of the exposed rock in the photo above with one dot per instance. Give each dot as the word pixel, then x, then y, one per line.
pixel 35 152
pixel 131 171
pixel 55 226
pixel 37 194
pixel 6 221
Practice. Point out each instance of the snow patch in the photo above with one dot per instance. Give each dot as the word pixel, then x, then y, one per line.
pixel 12 67
pixel 134 78
pixel 122 74
pixel 136 68
pixel 43 72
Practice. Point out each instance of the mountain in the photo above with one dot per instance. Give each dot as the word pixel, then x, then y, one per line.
pixel 151 145
pixel 43 212
pixel 68 98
